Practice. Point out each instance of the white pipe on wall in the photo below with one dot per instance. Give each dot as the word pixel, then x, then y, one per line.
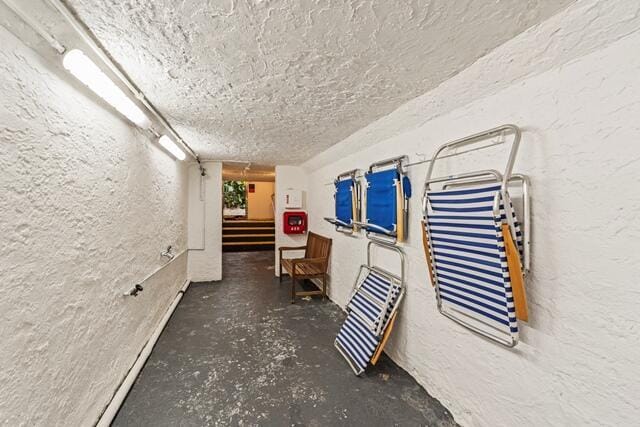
pixel 178 255
pixel 35 25
pixel 89 40
pixel 118 398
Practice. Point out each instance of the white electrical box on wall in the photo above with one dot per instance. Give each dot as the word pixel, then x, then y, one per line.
pixel 293 199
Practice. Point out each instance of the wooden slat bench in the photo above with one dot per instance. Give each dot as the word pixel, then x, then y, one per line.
pixel 313 266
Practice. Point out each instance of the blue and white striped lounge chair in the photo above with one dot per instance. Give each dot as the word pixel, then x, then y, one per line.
pixel 374 302
pixel 475 251
pixel 473 285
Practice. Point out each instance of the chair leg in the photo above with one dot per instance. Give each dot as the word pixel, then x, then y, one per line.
pixel 293 289
pixel 280 267
pixel 324 287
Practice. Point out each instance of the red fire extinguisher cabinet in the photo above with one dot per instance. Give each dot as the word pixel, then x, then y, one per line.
pixel 294 222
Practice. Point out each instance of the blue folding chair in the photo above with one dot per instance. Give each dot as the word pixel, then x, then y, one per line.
pixel 347 202
pixel 371 312
pixel 387 201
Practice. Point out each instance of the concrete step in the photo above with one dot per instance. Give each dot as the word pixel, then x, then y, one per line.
pixel 247 246
pixel 227 231
pixel 247 224
pixel 249 238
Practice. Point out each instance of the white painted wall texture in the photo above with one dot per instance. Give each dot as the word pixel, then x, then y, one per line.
pixel 205 223
pixel 577 360
pixel 87 205
pixel 287 178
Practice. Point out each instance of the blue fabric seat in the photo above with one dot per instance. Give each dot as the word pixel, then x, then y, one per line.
pixel 344 202
pixel 382 201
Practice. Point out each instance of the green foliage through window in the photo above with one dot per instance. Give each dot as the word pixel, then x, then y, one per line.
pixel 235 195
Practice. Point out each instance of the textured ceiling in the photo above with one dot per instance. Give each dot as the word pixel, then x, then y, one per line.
pixel 248 172
pixel 280 81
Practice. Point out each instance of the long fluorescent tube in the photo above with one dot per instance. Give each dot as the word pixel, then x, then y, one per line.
pixel 85 70
pixel 171 147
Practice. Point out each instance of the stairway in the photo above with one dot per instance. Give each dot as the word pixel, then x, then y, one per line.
pixel 248 235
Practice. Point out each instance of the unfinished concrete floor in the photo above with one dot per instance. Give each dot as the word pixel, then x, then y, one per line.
pixel 237 352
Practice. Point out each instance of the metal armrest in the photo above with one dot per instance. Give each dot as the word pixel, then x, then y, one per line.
pixel 342 223
pixel 336 221
pixel 373 227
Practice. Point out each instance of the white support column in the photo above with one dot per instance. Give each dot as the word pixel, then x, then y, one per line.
pixel 205 223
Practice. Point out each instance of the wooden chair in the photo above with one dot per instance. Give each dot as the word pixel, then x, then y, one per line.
pixel 313 266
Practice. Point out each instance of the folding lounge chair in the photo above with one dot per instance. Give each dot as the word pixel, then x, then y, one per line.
pixel 371 312
pixel 387 201
pixel 475 249
pixel 347 202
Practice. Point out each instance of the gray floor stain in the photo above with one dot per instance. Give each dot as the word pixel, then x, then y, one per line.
pixel 236 352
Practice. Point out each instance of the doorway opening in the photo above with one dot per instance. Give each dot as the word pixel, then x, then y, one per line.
pixel 248 208
pixel 234 194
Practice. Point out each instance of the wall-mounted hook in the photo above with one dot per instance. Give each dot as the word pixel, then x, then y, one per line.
pixel 422 159
pixel 168 253
pixel 133 292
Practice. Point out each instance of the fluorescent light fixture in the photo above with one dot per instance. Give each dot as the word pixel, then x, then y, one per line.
pixel 171 147
pixel 85 70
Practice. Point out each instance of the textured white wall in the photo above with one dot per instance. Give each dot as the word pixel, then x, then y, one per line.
pixel 586 26
pixel 205 219
pixel 577 360
pixel 87 205
pixel 288 177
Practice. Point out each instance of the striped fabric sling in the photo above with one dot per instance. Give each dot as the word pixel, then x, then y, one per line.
pixel 471 253
pixel 362 334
